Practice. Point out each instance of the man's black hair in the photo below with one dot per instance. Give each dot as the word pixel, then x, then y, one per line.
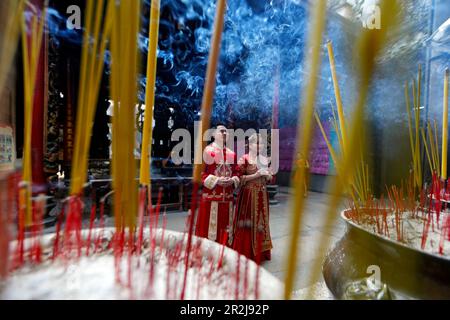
pixel 217 124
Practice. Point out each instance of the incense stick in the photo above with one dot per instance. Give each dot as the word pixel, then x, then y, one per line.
pixel 445 128
pixel 10 39
pixel 371 43
pixel 145 174
pixel 304 139
pixel 124 69
pixel 209 89
pixel 337 94
pixel 30 49
pixel 207 101
pixel 90 76
pixel 424 139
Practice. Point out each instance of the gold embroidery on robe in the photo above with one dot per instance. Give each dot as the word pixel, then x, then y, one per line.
pixel 212 229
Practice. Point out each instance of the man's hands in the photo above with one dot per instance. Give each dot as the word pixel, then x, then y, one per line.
pixel 225 181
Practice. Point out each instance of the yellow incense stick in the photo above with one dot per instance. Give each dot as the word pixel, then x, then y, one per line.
pixel 152 58
pixel 370 45
pixel 10 38
pixel 433 148
pixel 338 131
pixel 327 141
pixel 417 113
pixel 304 137
pixel 95 71
pixel 115 85
pixel 76 178
pixel 92 63
pixel 337 94
pixel 436 146
pixel 209 89
pixel 114 75
pixel 445 128
pixel 411 139
pixel 424 139
pixel 89 106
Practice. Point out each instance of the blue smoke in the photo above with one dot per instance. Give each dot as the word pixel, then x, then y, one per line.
pixel 263 41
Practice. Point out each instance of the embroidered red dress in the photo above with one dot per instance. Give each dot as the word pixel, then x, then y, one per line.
pixel 215 214
pixel 251 229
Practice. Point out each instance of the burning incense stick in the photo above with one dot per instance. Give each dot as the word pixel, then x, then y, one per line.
pixel 304 138
pixel 327 141
pixel 360 182
pixel 445 128
pixel 417 122
pixel 433 149
pixel 411 136
pixel 152 57
pixel 208 95
pixel 370 45
pixel 436 145
pixel 209 89
pixel 424 139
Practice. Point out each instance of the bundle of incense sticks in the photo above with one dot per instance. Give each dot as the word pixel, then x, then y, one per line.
pixel 415 132
pixel 360 183
pixel 431 147
pixel 399 206
pixel 95 40
pixel 437 164
pixel 124 75
pixel 32 35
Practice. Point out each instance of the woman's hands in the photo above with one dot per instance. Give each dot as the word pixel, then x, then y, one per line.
pixel 225 181
pixel 265 173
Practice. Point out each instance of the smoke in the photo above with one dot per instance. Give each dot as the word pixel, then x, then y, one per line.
pixel 263 46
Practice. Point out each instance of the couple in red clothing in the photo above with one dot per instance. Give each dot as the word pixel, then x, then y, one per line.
pixel 244 225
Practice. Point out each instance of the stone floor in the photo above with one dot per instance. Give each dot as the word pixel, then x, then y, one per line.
pixel 312 231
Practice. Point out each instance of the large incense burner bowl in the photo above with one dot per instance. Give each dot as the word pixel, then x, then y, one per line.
pixel 94 276
pixel 406 272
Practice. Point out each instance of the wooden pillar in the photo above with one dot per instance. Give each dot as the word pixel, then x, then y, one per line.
pixel 37 141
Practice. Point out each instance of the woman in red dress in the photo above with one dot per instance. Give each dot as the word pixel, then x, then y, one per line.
pixel 251 232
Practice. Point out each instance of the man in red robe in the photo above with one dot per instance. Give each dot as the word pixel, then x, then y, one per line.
pixel 219 179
